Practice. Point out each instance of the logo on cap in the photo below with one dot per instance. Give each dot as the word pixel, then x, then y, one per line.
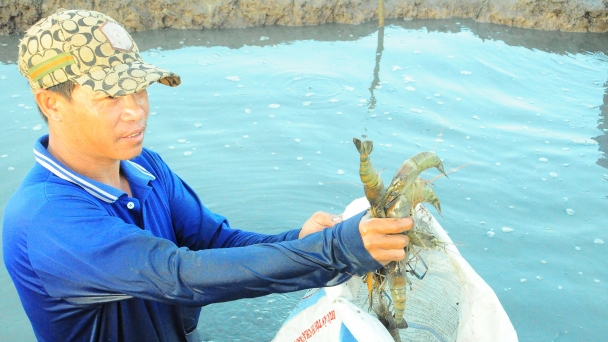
pixel 117 36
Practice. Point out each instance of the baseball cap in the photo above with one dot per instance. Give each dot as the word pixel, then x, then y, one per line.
pixel 90 49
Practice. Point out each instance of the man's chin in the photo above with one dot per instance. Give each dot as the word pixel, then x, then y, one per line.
pixel 131 153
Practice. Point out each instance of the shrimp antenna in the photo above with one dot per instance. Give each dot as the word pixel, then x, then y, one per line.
pixel 450 171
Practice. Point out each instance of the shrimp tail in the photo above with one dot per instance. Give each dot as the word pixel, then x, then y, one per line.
pixel 397 283
pixel 372 182
pixel 364 147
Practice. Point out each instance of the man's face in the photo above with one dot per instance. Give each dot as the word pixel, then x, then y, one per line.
pixel 103 128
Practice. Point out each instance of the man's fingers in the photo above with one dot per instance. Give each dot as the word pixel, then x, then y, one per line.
pixel 387 242
pixel 392 225
pixel 326 219
pixel 387 248
pixel 386 256
pixel 319 221
pixel 383 238
pixel 386 225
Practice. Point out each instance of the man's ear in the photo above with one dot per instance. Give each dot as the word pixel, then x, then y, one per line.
pixel 50 103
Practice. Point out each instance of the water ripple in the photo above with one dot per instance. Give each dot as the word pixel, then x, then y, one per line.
pixel 315 86
pixel 517 263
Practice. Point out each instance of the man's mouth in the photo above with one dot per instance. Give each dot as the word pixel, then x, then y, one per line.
pixel 133 135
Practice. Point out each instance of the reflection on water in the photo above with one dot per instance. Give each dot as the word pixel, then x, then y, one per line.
pixel 262 129
pixel 602 140
pixel 376 81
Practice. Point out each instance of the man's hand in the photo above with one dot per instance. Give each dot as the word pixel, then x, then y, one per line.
pixel 319 221
pixel 382 239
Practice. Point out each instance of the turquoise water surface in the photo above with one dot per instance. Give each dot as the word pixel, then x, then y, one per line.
pixel 262 129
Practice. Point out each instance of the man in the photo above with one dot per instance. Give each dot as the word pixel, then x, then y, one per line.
pixel 105 243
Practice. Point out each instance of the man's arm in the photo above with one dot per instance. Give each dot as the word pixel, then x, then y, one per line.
pixel 102 259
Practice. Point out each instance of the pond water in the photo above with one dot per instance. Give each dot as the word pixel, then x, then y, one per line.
pixel 262 129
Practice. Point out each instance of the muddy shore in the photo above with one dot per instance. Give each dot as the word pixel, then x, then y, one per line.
pixel 139 15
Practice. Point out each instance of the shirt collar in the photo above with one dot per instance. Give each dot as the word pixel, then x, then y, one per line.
pixel 133 171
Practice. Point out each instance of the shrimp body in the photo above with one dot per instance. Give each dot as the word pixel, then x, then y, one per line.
pixel 400 207
pixel 424 240
pixel 397 284
pixel 422 192
pixel 404 204
pixel 372 182
pixel 408 173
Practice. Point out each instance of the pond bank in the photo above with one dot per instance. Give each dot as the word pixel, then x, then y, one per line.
pixel 139 15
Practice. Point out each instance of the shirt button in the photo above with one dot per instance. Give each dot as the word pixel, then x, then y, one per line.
pixel 130 205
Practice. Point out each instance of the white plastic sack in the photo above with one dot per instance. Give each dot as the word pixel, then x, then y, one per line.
pixel 327 314
pixel 451 302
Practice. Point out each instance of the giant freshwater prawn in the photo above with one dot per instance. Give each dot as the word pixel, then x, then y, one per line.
pixel 399 199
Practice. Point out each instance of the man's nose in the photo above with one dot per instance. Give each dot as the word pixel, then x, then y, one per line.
pixel 134 107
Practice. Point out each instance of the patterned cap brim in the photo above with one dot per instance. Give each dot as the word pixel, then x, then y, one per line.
pixel 127 78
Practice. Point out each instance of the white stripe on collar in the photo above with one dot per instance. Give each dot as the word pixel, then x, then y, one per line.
pixel 62 173
pixel 142 169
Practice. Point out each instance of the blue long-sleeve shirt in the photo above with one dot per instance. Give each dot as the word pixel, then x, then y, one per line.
pixel 91 263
